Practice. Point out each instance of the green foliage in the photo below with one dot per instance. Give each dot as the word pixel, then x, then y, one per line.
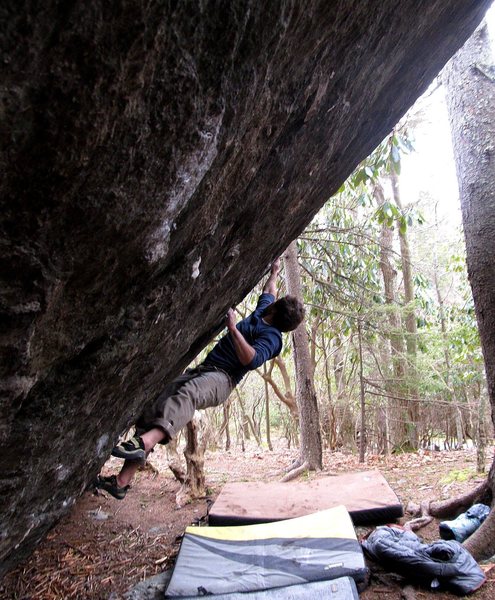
pixel 339 255
pixel 459 475
pixel 340 258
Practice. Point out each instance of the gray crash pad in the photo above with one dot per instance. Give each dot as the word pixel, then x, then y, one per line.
pixel 342 588
pixel 255 558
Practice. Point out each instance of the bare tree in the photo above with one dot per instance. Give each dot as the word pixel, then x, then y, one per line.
pixel 310 457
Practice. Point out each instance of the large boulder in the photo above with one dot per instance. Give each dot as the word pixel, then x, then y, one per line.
pixel 155 157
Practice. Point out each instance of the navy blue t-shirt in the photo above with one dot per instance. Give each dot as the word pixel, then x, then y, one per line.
pixel 265 339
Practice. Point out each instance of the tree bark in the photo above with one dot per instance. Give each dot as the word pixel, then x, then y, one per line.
pixel 470 91
pixel 449 393
pixel 225 424
pixel 412 414
pixel 399 432
pixel 362 441
pixel 194 484
pixel 247 422
pixel 267 410
pixel 427 510
pixel 309 420
pixel 329 429
pixel 174 461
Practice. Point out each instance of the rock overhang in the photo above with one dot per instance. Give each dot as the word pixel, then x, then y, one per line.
pixel 155 160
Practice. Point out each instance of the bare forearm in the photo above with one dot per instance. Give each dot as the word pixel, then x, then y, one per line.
pixel 270 286
pixel 244 351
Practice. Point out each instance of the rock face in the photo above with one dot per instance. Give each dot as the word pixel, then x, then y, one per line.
pixel 155 157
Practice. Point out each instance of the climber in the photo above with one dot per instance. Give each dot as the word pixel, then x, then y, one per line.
pixel 246 346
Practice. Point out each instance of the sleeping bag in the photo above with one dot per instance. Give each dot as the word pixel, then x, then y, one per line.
pixel 442 564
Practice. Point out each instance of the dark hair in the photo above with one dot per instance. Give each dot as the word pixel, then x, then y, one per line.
pixel 287 313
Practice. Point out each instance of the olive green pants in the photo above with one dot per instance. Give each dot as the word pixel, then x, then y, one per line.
pixel 197 388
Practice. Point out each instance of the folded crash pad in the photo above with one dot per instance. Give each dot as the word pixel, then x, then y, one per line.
pixel 366 495
pixel 226 560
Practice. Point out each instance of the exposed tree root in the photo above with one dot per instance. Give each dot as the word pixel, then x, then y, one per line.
pixel 296 463
pixel 482 543
pixel 419 523
pixel 447 508
pixel 296 471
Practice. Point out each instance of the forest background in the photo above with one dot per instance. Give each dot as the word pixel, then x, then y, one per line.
pixel 383 270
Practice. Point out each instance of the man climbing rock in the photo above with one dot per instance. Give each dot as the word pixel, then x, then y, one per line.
pixel 246 346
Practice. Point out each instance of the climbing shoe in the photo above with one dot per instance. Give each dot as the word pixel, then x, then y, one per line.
pixel 133 449
pixel 109 484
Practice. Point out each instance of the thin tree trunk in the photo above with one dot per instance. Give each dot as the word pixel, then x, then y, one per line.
pixel 309 421
pixel 443 325
pixel 267 409
pixel 399 408
pixel 194 484
pixel 314 332
pixel 226 424
pixel 362 441
pixel 338 367
pixel 441 308
pixel 174 461
pixel 330 412
pixel 247 423
pixel 459 427
pixel 385 408
pixel 411 327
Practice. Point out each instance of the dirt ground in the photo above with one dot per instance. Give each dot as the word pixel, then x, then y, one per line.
pixel 105 546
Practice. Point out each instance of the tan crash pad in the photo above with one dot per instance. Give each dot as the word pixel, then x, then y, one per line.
pixel 366 495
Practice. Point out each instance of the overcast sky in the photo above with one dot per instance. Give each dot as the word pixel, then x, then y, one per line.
pixel 431 167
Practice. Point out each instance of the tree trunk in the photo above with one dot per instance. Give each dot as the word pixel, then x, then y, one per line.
pixel 480 435
pixel 399 432
pixel 362 440
pixel 225 427
pixel 449 393
pixel 194 484
pixel 470 92
pixel 247 423
pixel 174 461
pixel 310 443
pixel 330 420
pixel 441 309
pixel 267 409
pixel 412 414
pixel 338 367
pixel 342 411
